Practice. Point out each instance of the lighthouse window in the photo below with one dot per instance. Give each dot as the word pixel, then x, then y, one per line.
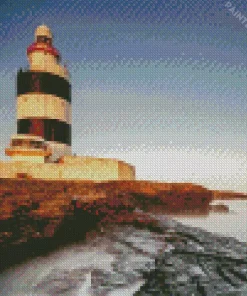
pixel 16 142
pixel 35 86
pixel 41 39
pixel 23 143
pixel 36 144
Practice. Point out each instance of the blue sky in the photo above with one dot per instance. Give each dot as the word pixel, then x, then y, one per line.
pixel 160 84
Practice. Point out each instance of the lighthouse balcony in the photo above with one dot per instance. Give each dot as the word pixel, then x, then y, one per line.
pixel 28 145
pixel 27 151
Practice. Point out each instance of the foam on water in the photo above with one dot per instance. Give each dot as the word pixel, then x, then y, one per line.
pixel 68 271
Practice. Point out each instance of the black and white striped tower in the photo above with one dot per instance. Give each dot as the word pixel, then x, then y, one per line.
pixel 44 98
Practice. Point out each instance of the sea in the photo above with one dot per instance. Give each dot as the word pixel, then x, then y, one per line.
pixel 232 224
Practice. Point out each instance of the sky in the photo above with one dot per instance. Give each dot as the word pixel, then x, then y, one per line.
pixel 160 84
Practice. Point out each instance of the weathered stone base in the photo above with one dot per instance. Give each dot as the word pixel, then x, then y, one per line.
pixel 70 168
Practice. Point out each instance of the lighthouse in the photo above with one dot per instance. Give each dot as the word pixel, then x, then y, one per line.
pixel 43 105
pixel 41 148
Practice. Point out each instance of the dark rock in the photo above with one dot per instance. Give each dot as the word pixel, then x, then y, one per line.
pixel 219 208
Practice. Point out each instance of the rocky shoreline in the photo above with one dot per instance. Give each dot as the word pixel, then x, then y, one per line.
pixel 150 254
pixel 172 259
pixel 40 212
pixel 197 262
pixel 179 261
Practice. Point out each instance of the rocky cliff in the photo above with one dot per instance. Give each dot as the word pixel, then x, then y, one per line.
pixel 218 194
pixel 36 212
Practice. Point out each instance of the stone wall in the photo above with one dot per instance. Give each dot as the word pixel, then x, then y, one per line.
pixel 126 171
pixel 70 168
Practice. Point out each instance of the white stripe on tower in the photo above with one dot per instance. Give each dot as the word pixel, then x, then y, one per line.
pixel 38 105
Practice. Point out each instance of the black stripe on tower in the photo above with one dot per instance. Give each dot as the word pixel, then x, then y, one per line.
pixel 43 82
pixel 49 129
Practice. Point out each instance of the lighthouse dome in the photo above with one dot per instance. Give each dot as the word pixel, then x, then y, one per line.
pixel 43 30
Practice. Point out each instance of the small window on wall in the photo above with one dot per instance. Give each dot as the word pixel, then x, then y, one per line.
pixel 16 142
pixel 41 39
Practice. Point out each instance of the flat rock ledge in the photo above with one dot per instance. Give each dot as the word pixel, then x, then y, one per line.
pixel 197 262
